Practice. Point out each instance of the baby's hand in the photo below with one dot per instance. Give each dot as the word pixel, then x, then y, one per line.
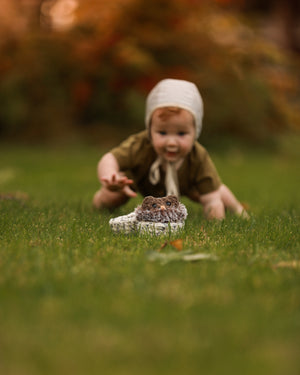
pixel 117 182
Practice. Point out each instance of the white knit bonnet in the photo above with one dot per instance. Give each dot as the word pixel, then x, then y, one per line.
pixel 175 93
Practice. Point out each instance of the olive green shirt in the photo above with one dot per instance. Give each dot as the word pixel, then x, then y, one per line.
pixel 136 154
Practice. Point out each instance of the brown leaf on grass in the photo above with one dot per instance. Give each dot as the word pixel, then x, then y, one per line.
pixel 178 244
pixel 163 245
pixel 288 264
pixel 17 196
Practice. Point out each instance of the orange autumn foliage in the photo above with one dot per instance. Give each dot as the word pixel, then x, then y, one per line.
pixel 99 70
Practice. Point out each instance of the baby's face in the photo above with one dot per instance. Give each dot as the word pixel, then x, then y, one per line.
pixel 172 137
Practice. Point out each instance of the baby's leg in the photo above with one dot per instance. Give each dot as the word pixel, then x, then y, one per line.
pixel 213 206
pixel 105 198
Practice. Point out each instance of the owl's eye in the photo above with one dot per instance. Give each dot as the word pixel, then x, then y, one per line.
pixel 154 205
pixel 168 203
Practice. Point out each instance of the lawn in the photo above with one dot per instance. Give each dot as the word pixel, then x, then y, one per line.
pixel 77 299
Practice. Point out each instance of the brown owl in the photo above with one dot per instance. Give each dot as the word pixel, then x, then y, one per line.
pixel 161 210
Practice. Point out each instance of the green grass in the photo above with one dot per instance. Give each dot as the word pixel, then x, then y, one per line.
pixel 77 299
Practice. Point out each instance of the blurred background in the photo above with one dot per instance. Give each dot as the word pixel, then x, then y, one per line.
pixel 75 70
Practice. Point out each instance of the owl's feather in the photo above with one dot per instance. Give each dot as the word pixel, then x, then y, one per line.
pixel 161 210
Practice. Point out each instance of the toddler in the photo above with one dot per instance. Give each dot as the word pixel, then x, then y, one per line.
pixel 166 158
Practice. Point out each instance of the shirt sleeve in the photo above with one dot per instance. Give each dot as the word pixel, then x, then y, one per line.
pixel 133 153
pixel 205 174
pixel 122 153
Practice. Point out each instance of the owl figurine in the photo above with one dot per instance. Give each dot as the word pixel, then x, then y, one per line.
pixel 161 210
pixel 156 216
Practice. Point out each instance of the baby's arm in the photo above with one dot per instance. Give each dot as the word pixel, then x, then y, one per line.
pixel 115 185
pixel 111 178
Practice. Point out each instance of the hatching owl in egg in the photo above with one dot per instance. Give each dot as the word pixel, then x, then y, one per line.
pixel 161 210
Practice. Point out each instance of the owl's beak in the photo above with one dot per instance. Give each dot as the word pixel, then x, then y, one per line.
pixel 162 207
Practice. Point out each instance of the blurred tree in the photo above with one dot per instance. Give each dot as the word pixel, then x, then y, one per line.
pixel 280 19
pixel 57 81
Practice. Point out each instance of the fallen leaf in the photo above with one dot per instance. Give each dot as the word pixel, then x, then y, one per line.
pixel 163 245
pixel 178 244
pixel 288 264
pixel 198 256
pixel 186 256
pixel 17 196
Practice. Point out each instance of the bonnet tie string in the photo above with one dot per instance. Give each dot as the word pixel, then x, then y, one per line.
pixel 171 179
